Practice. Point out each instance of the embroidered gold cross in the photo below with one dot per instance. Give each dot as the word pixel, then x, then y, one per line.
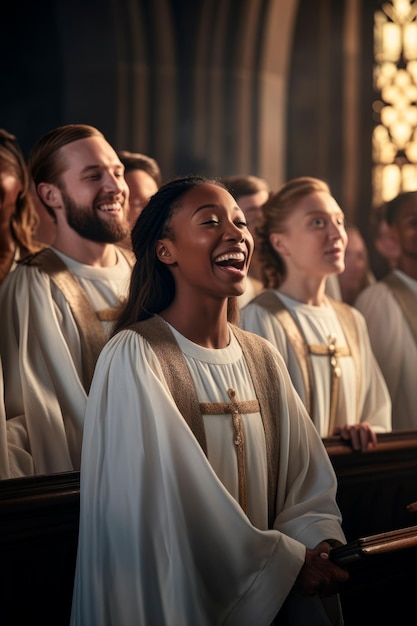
pixel 334 352
pixel 236 409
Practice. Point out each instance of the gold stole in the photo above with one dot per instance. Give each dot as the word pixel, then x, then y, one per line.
pixel 303 351
pixel 92 337
pixel 406 300
pixel 263 370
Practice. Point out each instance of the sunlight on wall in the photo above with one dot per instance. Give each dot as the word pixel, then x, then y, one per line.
pixel 395 111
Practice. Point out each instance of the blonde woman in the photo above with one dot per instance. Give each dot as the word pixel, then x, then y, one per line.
pixel 324 343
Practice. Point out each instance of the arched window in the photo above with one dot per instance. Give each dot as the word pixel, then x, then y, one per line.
pixel 395 107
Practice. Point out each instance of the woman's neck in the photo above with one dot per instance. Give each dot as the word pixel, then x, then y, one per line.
pixel 309 291
pixel 206 326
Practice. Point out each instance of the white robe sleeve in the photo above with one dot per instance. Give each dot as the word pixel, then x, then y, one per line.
pixel 306 496
pixel 395 351
pixel 44 396
pixel 161 540
pixel 375 402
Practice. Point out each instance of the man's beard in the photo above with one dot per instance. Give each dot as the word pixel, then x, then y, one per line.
pixel 88 224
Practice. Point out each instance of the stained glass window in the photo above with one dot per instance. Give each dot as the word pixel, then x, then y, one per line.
pixel 395 106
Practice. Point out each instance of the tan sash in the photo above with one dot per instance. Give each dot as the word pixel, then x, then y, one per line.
pixel 269 300
pixel 92 336
pixel 262 368
pixel 406 300
pixel 347 321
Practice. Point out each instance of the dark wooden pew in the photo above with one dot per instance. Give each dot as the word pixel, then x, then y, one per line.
pixel 376 487
pixel 38 543
pixel 39 527
pixel 374 491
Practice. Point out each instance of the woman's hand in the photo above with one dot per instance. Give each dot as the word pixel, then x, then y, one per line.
pixel 319 575
pixel 361 436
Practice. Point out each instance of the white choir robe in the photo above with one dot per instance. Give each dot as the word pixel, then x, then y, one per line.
pixel 394 347
pixel 373 404
pixel 42 363
pixel 162 537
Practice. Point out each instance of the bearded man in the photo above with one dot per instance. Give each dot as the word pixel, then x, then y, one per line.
pixel 57 307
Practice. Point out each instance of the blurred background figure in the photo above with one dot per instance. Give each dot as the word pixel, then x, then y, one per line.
pixel 143 176
pixel 357 274
pixel 390 309
pixel 386 251
pixel 18 218
pixel 251 193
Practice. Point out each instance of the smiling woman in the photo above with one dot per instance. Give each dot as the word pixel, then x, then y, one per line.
pixel 184 260
pixel 179 406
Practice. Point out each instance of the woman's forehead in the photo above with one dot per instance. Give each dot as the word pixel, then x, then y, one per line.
pixel 209 193
pixel 318 201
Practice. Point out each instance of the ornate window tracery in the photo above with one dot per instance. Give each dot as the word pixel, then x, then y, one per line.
pixel 395 108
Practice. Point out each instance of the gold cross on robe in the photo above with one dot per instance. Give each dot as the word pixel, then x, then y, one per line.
pixel 333 352
pixel 236 409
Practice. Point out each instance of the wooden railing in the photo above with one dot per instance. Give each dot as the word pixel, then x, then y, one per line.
pixel 39 528
pixel 375 489
pixel 38 544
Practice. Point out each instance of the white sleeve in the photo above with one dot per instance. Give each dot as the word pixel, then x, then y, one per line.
pixel 307 485
pixel 160 536
pixel 41 356
pixel 375 398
